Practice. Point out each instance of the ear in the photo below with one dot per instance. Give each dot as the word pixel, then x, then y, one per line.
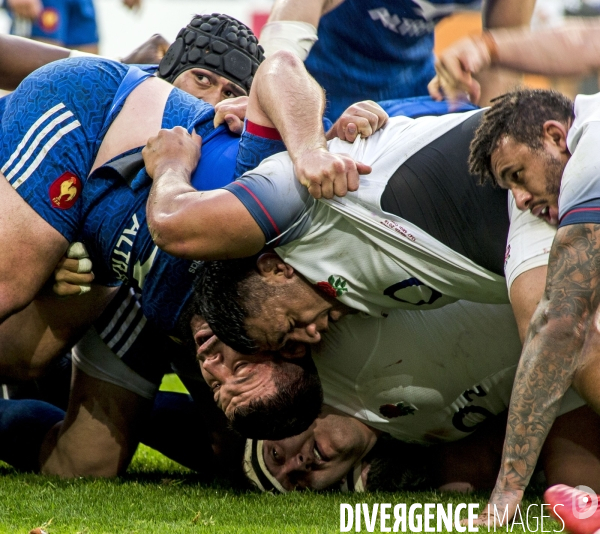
pixel 270 264
pixel 555 133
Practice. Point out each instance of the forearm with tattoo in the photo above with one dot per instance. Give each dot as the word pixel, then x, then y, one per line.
pixel 550 354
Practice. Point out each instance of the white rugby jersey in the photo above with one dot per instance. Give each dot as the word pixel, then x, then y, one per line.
pixel 371 260
pixel 424 376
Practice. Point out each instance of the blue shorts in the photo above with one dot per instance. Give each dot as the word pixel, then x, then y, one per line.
pixel 52 128
pixel 68 22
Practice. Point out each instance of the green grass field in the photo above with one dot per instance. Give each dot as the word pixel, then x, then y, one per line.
pixel 159 496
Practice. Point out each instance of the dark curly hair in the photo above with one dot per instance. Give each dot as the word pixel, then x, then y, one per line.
pixel 520 114
pixel 218 297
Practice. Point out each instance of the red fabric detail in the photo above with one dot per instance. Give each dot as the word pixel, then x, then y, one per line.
pixel 327 288
pixel 262 131
pixel 576 210
pixel 260 204
pixel 259 19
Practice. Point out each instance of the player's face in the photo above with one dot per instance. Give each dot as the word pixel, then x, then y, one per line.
pixel 533 176
pixel 299 315
pixel 322 455
pixel 234 378
pixel 208 86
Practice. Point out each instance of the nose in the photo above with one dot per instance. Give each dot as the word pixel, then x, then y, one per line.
pixel 301 461
pixel 213 95
pixel 212 361
pixel 308 334
pixel 522 198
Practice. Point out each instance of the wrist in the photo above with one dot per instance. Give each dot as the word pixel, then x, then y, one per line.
pixel 491 46
pixel 172 171
pixel 295 155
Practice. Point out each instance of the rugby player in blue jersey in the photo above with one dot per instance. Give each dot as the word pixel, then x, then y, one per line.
pixel 378 49
pixel 48 149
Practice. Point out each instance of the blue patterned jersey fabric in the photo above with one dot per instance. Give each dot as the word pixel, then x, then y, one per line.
pixel 51 129
pixel 116 231
pixel 376 49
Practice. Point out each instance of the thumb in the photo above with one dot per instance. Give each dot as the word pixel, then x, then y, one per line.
pixel 363 168
pixel 196 138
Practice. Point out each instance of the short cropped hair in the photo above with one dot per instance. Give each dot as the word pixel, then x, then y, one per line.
pixel 291 410
pixel 520 114
pixel 221 297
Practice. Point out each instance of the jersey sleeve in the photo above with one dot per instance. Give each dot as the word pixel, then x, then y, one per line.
pixel 579 200
pixel 279 204
pixel 529 243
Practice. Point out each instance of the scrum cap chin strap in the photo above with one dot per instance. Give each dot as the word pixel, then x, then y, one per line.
pixel 257 472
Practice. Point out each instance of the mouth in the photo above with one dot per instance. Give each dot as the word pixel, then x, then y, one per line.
pixel 545 212
pixel 318 454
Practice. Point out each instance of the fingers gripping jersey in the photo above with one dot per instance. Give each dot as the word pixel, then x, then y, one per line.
pixel 369 259
pixel 52 128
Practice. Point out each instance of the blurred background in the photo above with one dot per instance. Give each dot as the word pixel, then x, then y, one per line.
pixel 122 30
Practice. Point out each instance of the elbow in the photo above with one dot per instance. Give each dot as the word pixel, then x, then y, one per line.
pixel 279 62
pixel 167 235
pixel 565 329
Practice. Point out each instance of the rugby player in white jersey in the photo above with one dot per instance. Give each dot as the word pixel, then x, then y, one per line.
pixel 544 149
pixel 331 257
pixel 424 378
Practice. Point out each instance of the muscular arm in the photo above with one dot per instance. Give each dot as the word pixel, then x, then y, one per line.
pixel 525 295
pixel 551 356
pixel 502 14
pixel 198 225
pixel 573 48
pixel 20 57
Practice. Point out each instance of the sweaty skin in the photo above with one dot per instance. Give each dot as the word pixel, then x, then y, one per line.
pixel 562 343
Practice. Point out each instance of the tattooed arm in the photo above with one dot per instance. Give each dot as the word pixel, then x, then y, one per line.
pixel 552 356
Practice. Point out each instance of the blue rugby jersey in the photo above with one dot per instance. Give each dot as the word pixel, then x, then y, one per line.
pixel 377 49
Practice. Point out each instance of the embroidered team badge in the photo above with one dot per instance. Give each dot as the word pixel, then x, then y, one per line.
pixel 399 409
pixel 334 287
pixel 49 19
pixel 65 190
